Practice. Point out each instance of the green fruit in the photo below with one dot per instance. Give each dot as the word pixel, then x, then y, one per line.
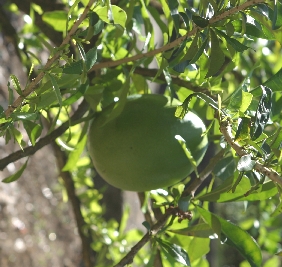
pixel 138 149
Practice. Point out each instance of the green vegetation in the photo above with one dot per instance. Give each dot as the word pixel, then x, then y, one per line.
pixel 219 59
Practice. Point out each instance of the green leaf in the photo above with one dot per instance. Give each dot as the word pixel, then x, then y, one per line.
pixel 33 130
pixel 57 19
pixel 246 163
pixel 17 135
pixel 56 88
pixel 262 113
pixel 146 225
pixel 174 251
pixel 266 26
pixel 221 193
pixel 199 52
pixel 11 94
pixel 212 220
pixel 199 230
pixel 243 131
pixel 75 154
pixel 16 175
pixel 224 168
pixel 79 93
pixel 250 29
pixel 199 21
pixel 77 67
pixel 233 42
pixel 182 110
pixel 240 101
pixel 16 84
pixel 187 153
pixel 21 116
pixel 275 82
pixel 118 15
pixel 216 58
pixel 198 247
pixel 191 52
pixel 277 211
pixel 237 238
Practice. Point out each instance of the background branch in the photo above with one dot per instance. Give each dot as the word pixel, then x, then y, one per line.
pixel 83 231
pixel 75 119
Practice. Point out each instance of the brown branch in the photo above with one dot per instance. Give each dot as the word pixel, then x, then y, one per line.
pixel 75 119
pixel 84 233
pixel 49 63
pixel 178 41
pixel 225 129
pixel 128 259
pixel 175 80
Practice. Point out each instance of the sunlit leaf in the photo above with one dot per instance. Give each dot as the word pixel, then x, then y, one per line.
pixel 223 194
pixel 174 251
pixel 16 84
pixel 16 175
pixel 118 14
pixel 75 154
pixel 216 58
pixel 56 88
pixel 200 51
pixel 236 237
pixel 246 163
pixel 33 130
pixel 199 21
pixel 262 112
pixel 275 82
pixel 199 230
pixel 243 131
pixel 77 67
pixel 239 47
pixel 57 19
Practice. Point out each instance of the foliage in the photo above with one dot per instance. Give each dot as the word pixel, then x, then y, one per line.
pixel 220 58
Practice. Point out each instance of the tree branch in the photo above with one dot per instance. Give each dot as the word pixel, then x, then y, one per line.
pixel 175 80
pixel 49 63
pixel 85 236
pixel 75 119
pixel 225 129
pixel 128 259
pixel 178 41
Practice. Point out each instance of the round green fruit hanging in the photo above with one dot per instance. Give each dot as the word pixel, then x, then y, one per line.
pixel 139 149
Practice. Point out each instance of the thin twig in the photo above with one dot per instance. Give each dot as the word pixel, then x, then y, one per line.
pixel 49 63
pixel 178 41
pixel 46 140
pixel 225 129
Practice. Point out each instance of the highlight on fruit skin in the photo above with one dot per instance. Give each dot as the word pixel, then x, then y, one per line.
pixel 140 148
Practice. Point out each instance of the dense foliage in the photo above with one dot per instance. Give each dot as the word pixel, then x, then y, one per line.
pixel 220 58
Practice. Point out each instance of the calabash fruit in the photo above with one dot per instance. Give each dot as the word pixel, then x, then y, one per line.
pixel 139 149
